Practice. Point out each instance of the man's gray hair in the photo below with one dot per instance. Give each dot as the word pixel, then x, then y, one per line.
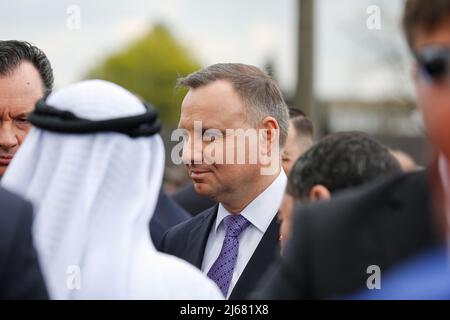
pixel 259 92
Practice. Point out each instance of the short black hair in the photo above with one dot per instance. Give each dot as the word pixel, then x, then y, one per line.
pixel 13 52
pixel 301 123
pixel 296 112
pixel 339 161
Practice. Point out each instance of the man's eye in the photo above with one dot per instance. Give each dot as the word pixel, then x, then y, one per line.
pixel 22 120
pixel 185 135
pixel 212 135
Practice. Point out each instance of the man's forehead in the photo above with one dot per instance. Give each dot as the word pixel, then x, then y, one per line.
pixel 215 108
pixel 20 88
pixel 187 120
pixel 219 93
pixel 210 119
pixel 14 89
pixel 16 104
pixel 22 79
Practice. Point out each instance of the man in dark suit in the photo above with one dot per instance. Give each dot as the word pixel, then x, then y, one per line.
pixel 189 239
pixel 334 242
pixel 338 246
pixel 234 241
pixel 20 274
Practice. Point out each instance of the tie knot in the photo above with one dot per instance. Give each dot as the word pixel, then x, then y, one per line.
pixel 234 225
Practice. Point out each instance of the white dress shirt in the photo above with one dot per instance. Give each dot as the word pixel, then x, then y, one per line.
pixel 260 212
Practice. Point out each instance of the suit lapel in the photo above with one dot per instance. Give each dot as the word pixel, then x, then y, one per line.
pixel 198 237
pixel 266 252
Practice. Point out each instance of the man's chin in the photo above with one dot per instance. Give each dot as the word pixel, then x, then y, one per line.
pixel 203 189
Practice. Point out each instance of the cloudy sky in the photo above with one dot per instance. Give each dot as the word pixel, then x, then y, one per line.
pixel 351 60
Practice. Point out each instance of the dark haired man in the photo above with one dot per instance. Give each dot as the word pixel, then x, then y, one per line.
pixel 25 76
pixel 337 162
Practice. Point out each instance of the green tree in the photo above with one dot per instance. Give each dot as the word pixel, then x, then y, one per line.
pixel 150 67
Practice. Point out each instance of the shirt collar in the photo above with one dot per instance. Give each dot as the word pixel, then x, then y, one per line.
pixel 262 209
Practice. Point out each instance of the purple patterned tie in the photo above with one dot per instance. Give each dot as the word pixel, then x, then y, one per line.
pixel 221 271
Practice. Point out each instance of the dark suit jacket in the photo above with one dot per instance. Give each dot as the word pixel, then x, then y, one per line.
pixel 334 242
pixel 20 274
pixel 188 241
pixel 191 201
pixel 167 214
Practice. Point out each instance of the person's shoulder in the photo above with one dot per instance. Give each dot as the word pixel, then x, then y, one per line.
pixel 15 221
pixel 13 210
pixel 10 198
pixel 360 201
pixel 166 203
pixel 362 195
pixel 167 214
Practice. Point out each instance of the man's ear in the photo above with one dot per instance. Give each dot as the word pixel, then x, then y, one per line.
pixel 272 131
pixel 319 192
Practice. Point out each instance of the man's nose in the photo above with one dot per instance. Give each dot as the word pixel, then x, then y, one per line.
pixel 192 152
pixel 8 139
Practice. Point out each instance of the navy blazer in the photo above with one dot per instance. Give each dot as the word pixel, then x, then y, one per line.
pixel 167 214
pixel 20 274
pixel 188 241
pixel 382 223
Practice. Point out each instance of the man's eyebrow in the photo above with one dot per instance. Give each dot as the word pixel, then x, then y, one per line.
pixel 213 128
pixel 181 125
pixel 22 114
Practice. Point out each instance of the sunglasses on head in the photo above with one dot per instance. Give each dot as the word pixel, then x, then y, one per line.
pixel 434 63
